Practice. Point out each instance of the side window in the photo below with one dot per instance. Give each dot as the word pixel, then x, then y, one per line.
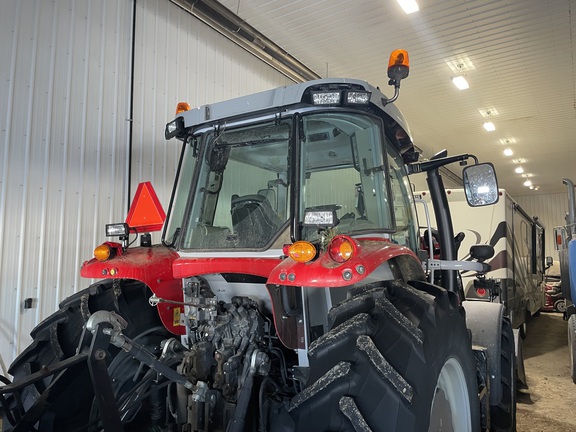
pixel 526 246
pixel 176 212
pixel 402 203
pixel 539 251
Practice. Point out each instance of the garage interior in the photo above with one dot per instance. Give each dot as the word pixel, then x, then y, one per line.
pixel 88 87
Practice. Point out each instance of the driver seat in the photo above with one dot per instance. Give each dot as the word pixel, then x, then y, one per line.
pixel 253 220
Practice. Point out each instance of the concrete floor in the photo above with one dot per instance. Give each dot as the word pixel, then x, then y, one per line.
pixel 549 404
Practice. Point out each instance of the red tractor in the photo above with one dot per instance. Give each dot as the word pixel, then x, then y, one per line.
pixel 289 292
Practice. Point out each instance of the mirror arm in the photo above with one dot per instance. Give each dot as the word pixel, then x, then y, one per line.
pixel 437 163
pixel 444 225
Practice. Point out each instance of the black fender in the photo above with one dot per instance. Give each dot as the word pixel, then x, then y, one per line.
pixel 484 320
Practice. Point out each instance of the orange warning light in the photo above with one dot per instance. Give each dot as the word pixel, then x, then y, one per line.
pixel 182 107
pixel 146 213
pixel 398 65
pixel 399 57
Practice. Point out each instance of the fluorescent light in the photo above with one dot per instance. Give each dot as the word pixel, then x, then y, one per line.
pixel 489 126
pixel 519 170
pixel 408 6
pixel 460 82
pixel 508 152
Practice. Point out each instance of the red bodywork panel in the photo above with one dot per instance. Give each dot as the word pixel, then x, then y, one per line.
pixel 369 254
pixel 162 270
pixel 186 267
pixel 325 272
pixel 151 266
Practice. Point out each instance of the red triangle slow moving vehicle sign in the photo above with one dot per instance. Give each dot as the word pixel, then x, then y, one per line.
pixel 146 213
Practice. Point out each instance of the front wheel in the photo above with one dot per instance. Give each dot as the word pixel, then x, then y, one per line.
pixel 397 358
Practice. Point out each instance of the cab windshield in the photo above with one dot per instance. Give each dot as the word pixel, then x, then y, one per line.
pixel 238 185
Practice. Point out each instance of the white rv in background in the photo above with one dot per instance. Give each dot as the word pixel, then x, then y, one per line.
pixel 518 263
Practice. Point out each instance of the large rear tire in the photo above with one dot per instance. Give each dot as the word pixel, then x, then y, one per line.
pixel 57 337
pixel 396 358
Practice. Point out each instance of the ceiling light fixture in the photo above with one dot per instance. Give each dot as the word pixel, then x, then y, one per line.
pixel 460 80
pixel 488 112
pixel 527 183
pixel 408 6
pixel 519 170
pixel 489 126
pixel 508 152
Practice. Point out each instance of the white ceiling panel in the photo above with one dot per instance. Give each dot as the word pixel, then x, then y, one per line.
pixel 518 56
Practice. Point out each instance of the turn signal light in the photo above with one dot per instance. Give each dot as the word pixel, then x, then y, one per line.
pixel 341 249
pixel 103 252
pixel 302 251
pixel 107 251
pixel 181 107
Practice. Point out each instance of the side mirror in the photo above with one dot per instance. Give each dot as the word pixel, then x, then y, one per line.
pixel 480 184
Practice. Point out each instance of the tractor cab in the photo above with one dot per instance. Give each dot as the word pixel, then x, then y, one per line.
pixel 302 173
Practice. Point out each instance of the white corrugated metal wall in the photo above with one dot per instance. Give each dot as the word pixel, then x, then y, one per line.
pixel 65 87
pixel 64 91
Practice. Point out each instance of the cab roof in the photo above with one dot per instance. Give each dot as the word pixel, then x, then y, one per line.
pixel 284 97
